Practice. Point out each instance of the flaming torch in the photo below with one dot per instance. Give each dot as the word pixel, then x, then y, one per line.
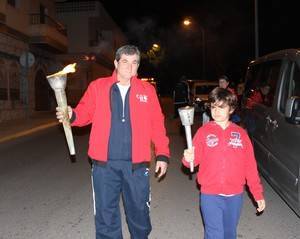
pixel 58 83
pixel 187 118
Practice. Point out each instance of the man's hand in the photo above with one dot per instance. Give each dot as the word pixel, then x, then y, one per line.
pixel 62 115
pixel 261 205
pixel 161 167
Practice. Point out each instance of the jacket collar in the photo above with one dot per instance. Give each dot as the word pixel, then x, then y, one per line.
pixel 134 80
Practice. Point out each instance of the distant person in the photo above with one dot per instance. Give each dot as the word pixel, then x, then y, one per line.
pixel 180 95
pixel 224 83
pixel 226 162
pixel 126 118
pixel 258 96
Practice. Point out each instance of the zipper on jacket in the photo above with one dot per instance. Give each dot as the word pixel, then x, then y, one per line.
pixel 123 116
pixel 124 103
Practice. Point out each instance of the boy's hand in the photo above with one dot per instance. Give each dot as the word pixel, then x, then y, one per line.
pixel 261 205
pixel 189 154
pixel 62 116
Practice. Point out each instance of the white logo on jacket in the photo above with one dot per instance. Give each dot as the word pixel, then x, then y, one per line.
pixel 142 98
pixel 212 140
pixel 235 140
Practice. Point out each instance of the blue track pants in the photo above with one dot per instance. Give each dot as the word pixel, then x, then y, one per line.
pixel 111 181
pixel 220 215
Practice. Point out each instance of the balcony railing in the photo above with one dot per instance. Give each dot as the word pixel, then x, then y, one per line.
pixel 39 19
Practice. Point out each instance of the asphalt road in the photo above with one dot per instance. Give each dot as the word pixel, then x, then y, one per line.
pixel 44 195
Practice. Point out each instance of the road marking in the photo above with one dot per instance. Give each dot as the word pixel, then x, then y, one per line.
pixel 26 132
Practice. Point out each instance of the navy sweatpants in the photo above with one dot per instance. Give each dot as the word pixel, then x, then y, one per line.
pixel 111 181
pixel 220 215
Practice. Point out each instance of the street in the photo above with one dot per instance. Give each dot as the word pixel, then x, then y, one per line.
pixel 44 195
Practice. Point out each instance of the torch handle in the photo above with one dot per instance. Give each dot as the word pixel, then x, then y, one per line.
pixel 61 100
pixel 188 135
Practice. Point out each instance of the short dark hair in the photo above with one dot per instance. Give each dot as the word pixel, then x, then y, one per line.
pixel 222 95
pixel 127 50
pixel 224 77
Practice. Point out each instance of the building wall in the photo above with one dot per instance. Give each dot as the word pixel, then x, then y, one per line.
pixel 17 83
pixel 91 33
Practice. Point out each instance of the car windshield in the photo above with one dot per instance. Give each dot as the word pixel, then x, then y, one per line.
pixel 204 89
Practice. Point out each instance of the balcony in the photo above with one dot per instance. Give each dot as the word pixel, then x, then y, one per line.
pixel 48 34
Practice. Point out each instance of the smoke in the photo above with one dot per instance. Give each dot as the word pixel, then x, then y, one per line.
pixel 142 32
pixel 226 43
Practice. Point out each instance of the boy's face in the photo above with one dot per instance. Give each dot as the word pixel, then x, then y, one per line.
pixel 220 112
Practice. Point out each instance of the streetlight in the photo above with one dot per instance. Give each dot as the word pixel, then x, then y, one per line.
pixel 155 47
pixel 187 22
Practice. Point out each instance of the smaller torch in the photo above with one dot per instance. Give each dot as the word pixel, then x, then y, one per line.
pixel 58 83
pixel 187 118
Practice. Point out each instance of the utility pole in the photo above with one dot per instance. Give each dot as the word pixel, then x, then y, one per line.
pixel 256 29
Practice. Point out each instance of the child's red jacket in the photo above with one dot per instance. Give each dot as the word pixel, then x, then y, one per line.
pixel 226 161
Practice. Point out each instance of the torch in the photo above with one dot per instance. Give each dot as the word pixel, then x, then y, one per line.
pixel 58 83
pixel 187 117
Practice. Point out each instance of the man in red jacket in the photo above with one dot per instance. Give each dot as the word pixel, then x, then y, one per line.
pixel 126 118
pixel 226 162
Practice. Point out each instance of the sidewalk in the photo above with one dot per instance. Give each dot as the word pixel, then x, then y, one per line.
pixel 17 128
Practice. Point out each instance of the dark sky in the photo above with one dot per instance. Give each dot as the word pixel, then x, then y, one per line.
pixel 228 29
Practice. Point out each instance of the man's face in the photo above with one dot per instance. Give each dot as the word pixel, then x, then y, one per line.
pixel 127 66
pixel 223 83
pixel 220 112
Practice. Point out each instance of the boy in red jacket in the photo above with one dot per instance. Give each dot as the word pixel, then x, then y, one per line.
pixel 226 162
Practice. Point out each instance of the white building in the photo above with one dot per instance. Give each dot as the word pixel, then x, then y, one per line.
pixel 27 26
pixel 55 33
pixel 93 39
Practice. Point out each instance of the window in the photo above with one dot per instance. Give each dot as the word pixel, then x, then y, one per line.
pixel 12 2
pixel 3 87
pixel 285 87
pixel 261 83
pixel 291 85
pixel 252 79
pixel 295 86
pixel 14 88
pixel 272 80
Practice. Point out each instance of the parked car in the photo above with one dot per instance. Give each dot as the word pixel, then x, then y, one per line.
pixel 200 91
pixel 271 106
pixel 152 81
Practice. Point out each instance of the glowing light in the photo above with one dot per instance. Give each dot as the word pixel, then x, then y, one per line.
pixel 187 22
pixel 68 69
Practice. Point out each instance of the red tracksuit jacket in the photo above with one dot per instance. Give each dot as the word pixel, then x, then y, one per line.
pixel 147 120
pixel 226 160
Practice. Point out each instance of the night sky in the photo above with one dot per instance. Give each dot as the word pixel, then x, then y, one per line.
pixel 228 29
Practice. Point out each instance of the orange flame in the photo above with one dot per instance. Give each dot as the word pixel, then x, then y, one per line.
pixel 68 69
